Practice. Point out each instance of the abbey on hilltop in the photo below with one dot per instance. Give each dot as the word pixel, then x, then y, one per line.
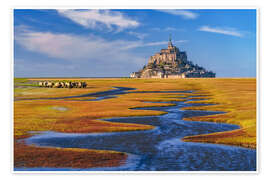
pixel 171 63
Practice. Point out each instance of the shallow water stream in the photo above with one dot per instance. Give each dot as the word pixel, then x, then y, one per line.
pixel 159 149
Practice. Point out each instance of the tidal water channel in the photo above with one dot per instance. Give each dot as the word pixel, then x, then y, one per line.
pixel 159 149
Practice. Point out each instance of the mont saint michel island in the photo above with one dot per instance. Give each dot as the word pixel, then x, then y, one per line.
pixel 171 63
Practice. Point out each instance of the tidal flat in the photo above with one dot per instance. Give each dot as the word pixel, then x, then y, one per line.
pixel 38 110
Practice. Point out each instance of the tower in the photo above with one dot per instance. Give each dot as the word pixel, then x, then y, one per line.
pixel 170 45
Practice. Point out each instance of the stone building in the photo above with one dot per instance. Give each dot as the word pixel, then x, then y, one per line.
pixel 171 63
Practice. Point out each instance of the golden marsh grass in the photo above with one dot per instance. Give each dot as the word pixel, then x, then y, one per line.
pixel 236 97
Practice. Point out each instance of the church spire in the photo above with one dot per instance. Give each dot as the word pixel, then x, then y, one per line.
pixel 170 41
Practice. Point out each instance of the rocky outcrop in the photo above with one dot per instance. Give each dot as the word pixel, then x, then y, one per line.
pixel 171 63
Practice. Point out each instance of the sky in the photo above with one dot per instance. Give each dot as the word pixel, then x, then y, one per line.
pixel 116 42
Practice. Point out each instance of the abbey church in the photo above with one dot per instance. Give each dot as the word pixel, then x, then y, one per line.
pixel 171 63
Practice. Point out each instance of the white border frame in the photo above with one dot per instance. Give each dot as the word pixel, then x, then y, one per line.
pixel 258 91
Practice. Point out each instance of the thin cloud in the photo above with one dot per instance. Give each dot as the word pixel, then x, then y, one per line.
pixel 77 48
pixel 226 31
pixel 99 19
pixel 157 43
pixel 183 13
pixel 170 29
pixel 163 43
pixel 138 35
pixel 167 29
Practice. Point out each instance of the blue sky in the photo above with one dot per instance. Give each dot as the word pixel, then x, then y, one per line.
pixel 114 43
